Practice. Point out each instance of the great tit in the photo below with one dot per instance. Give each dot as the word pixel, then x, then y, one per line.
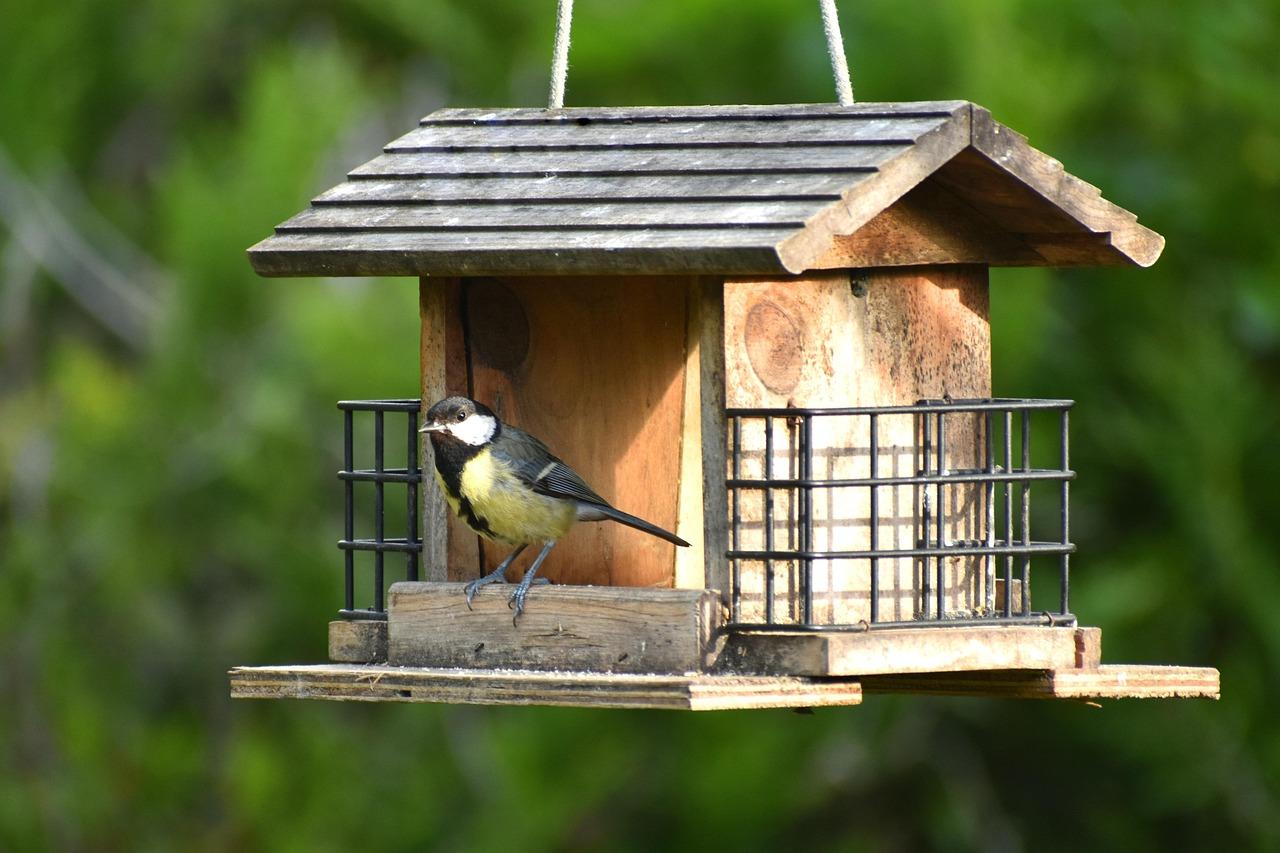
pixel 508 487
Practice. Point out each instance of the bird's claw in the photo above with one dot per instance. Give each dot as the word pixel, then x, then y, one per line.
pixel 474 586
pixel 516 601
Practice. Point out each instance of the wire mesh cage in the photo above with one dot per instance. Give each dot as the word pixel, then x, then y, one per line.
pixel 372 416
pixel 839 518
pixel 898 516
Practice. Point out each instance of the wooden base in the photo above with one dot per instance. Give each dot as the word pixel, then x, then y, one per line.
pixel 515 687
pixel 954 648
pixel 358 641
pixel 1103 682
pixel 355 683
pixel 577 628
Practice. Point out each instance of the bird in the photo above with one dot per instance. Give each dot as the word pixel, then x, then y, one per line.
pixel 508 487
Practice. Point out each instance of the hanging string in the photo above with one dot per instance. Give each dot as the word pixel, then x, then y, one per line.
pixel 560 56
pixel 830 23
pixel 835 48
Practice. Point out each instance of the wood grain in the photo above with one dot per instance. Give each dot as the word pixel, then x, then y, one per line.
pixel 357 641
pixel 594 629
pixel 647 115
pixel 604 389
pixel 449 549
pixel 721 190
pixel 954 648
pixel 824 186
pixel 912 333
pixel 1111 681
pixel 618 162
pixel 353 683
pixel 842 129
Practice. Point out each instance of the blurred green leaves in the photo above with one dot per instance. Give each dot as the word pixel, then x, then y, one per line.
pixel 168 511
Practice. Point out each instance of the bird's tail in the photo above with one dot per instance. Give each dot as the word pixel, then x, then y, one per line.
pixel 598 512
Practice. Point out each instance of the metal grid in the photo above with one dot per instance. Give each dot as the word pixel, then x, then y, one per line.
pixel 780 507
pixel 379 475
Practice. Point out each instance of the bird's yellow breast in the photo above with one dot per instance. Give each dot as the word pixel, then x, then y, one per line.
pixel 511 510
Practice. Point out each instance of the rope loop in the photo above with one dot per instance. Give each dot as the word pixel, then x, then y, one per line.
pixel 830 24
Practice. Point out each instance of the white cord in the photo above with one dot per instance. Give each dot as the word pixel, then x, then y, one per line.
pixel 830 23
pixel 835 48
pixel 560 56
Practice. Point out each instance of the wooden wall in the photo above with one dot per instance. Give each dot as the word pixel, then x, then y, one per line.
pixel 597 371
pixel 622 379
pixel 890 337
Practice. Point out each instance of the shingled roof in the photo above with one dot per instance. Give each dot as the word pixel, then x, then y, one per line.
pixel 737 189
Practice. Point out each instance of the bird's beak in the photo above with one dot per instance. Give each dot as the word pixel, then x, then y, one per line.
pixel 432 428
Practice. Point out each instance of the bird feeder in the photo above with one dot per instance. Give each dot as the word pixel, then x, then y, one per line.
pixel 765 328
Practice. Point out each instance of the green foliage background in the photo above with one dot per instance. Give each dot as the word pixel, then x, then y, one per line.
pixel 168 437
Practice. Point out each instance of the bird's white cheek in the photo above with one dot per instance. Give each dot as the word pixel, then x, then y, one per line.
pixel 475 430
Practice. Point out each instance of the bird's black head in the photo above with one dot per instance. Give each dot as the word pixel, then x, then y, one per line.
pixel 461 419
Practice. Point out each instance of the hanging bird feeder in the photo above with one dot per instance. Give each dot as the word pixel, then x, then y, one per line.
pixel 764 328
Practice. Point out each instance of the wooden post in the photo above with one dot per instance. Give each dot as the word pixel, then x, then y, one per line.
pixel 449 549
pixel 703 515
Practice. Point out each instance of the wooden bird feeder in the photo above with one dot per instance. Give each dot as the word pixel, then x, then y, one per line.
pixel 763 327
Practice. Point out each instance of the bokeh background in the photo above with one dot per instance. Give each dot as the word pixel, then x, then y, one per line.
pixel 168 437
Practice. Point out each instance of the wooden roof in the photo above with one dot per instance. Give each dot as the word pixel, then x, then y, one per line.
pixel 737 189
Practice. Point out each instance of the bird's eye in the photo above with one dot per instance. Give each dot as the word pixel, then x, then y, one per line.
pixel 462 416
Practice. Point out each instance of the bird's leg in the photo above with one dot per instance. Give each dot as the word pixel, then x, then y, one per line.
pixel 498 575
pixel 530 577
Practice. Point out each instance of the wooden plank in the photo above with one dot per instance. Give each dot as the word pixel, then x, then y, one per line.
pixel 433 365
pixel 1112 681
pixel 604 389
pixel 507 253
pixel 637 115
pixel 815 341
pixel 540 188
pixel 895 177
pixel 602 240
pixel 681 133
pixel 594 629
pixel 440 301
pixel 690 568
pixel 928 225
pixel 1081 201
pixel 710 294
pixel 358 641
pixel 901 650
pixel 571 689
pixel 555 215
pixel 801 158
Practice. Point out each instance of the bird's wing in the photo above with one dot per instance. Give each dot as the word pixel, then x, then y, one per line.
pixel 533 463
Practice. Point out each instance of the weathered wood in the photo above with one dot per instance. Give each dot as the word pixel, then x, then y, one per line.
pixel 494 215
pixel 955 648
pixel 684 134
pixel 610 206
pixel 573 689
pixel 638 115
pixel 811 158
pixel 899 336
pixel 1112 681
pixel 690 568
pixel 357 641
pixel 598 253
pixel 928 225
pixel 894 178
pixel 440 301
pixel 823 186
pixel 593 629
pixel 710 294
pixel 1081 201
pixel 604 389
